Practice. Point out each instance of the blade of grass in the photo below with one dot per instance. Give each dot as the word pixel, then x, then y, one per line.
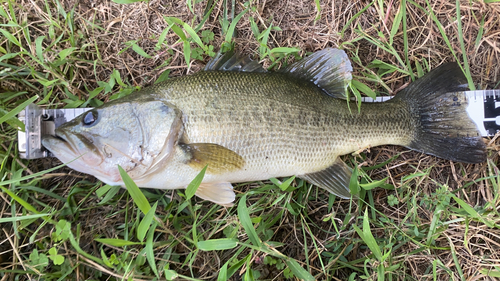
pixel 298 270
pixel 145 223
pixel 218 244
pixel 232 26
pixel 195 183
pixel 367 236
pixel 134 191
pixel 117 242
pixel 473 213
pixel 26 217
pixel 246 222
pixel 18 109
pixel 150 254
pixel 405 39
pixel 441 28
pixel 462 47
pixel 19 200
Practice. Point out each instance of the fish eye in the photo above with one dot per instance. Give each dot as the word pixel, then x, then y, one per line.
pixel 90 118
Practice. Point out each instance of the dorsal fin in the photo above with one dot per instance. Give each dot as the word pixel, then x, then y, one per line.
pixel 232 61
pixel 330 69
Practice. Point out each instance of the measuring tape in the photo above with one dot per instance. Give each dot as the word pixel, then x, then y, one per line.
pixel 483 109
pixel 39 122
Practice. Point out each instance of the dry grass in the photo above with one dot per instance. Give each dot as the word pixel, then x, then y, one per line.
pixel 461 246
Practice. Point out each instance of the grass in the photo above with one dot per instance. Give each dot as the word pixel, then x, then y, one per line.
pixel 416 217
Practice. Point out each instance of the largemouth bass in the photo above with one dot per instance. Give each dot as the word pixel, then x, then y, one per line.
pixel 247 124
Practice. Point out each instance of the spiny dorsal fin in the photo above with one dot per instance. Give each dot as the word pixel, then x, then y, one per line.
pixel 232 61
pixel 330 69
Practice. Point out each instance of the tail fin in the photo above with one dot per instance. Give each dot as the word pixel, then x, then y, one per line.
pixel 443 128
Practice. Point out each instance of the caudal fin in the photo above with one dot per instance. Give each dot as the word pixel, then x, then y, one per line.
pixel 437 104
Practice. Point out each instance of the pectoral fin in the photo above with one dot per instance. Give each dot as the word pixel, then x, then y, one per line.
pixel 218 158
pixel 335 179
pixel 220 193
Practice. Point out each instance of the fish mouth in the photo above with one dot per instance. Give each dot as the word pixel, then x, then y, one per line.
pixel 67 146
pixel 56 136
pixel 57 142
pixel 74 149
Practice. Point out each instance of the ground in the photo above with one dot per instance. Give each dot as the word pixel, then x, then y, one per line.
pixel 432 219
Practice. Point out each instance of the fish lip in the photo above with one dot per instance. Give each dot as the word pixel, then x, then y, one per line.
pixel 62 139
pixel 59 137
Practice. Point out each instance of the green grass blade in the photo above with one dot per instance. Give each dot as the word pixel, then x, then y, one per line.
pixel 145 223
pixel 441 29
pixel 187 51
pixel 480 34
pixel 286 50
pixel 66 52
pixel 232 270
pixel 140 51
pixel 405 39
pixel 9 56
pixel 117 242
pixel 490 272
pixel 18 109
pixel 109 194
pixel 11 38
pixel 79 250
pixel 348 23
pixel 232 26
pixel 218 244
pixel 195 183
pixel 455 259
pixel 473 213
pixel 162 38
pixel 170 274
pixel 396 24
pixel 38 48
pixel 150 254
pixel 26 217
pixel 223 273
pixel 363 88
pixel 35 175
pixel 193 35
pixel 372 185
pixel 298 270
pixel 19 200
pixel 134 191
pixel 354 183
pixel 367 236
pixel 246 222
pixel 462 47
pixel 284 186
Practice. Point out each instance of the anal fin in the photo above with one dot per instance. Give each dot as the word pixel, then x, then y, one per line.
pixel 220 193
pixel 334 179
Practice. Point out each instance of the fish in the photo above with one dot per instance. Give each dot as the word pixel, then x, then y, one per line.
pixel 244 123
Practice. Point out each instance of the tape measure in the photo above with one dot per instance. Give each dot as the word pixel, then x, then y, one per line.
pixel 39 122
pixel 483 109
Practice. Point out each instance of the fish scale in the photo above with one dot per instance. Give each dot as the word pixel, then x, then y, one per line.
pixel 307 137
